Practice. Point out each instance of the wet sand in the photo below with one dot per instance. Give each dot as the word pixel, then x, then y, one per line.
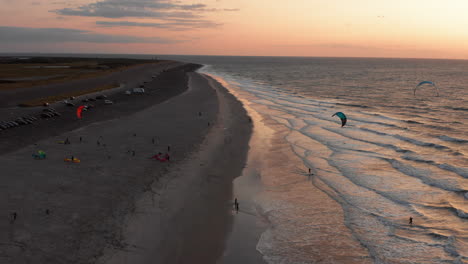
pixel 71 212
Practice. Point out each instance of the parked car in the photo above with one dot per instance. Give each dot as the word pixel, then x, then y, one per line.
pixel 138 90
pixel 108 102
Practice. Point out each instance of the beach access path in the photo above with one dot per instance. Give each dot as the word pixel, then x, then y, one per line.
pixel 53 211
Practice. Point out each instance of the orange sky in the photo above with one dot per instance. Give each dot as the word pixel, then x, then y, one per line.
pixel 351 28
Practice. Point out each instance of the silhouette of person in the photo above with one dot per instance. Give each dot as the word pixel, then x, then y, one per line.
pixel 411 220
pixel 13 217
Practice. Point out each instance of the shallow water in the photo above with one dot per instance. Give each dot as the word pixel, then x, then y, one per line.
pixel 401 154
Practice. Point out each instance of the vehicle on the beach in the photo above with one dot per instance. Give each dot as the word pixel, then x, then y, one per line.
pixel 70 104
pixel 101 97
pixel 138 90
pixel 128 92
pixel 108 102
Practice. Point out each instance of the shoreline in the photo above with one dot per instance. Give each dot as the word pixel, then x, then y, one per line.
pixel 196 201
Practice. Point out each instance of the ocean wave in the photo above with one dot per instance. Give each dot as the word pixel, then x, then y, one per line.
pixel 420 143
pixel 385 145
pixel 452 139
pixel 460 171
pixel 354 105
pixel 374 131
pixel 444 183
pixel 380 123
pixel 413 122
pixel 417 159
pixel 457 108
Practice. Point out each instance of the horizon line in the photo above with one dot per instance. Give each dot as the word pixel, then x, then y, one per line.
pixel 253 56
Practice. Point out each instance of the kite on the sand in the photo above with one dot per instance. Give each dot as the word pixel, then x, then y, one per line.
pixel 79 111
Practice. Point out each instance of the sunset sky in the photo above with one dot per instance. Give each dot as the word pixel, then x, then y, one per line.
pixel 339 28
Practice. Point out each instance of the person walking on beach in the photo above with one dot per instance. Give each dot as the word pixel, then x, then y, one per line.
pixel 13 217
pixel 411 220
pixel 236 205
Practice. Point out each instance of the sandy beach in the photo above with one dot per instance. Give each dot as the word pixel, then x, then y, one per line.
pixel 118 205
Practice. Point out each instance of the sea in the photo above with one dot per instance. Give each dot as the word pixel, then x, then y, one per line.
pixel 402 154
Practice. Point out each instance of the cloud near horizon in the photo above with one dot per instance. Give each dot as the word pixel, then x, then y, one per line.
pixel 176 24
pixel 61 35
pixel 162 12
pixel 139 9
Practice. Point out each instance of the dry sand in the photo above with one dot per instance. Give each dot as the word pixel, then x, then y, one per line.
pixel 187 221
pixel 89 202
